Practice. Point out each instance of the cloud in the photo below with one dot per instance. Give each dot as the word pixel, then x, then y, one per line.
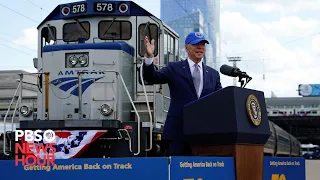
pixel 291 26
pixel 29 38
pixel 282 6
pixel 263 53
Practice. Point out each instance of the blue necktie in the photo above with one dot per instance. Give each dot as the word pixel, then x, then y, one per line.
pixel 196 78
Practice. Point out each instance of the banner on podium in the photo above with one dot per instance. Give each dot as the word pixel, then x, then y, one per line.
pixel 181 168
pixel 84 169
pixel 202 168
pixel 282 168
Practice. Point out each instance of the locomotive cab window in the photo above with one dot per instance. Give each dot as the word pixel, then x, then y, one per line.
pixel 171 48
pixel 115 30
pixel 48 36
pixel 72 32
pixel 151 31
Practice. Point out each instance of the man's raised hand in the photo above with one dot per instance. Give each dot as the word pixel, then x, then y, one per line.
pixel 149 47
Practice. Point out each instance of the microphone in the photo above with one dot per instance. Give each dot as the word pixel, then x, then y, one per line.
pixel 233 71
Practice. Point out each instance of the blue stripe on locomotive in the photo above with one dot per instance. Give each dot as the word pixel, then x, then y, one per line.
pixel 106 45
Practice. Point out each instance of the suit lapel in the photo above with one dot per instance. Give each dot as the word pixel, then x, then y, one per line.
pixel 187 73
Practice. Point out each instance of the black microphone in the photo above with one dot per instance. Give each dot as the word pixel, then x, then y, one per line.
pixel 232 71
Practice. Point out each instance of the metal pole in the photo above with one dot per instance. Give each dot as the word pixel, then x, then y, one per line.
pixel 46 75
pixel 234 60
pixel 21 80
pixel 80 95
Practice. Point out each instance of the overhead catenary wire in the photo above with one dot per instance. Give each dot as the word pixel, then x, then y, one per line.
pixel 18 44
pixel 19 13
pixel 31 19
pixel 37 6
pixel 17 50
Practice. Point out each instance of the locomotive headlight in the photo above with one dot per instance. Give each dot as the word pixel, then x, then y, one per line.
pixel 25 111
pixel 73 60
pixel 105 109
pixel 77 60
pixel 83 60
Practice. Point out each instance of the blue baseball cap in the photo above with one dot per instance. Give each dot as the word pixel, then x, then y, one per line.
pixel 195 38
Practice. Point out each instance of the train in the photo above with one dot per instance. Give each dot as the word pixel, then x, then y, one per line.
pixel 294 112
pixel 294 106
pixel 90 83
pixel 281 143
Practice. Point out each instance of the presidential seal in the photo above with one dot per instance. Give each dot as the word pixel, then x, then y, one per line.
pixel 253 109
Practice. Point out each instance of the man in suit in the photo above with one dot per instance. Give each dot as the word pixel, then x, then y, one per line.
pixel 188 80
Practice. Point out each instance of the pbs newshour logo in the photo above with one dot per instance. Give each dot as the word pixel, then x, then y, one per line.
pixel 36 148
pixel 48 136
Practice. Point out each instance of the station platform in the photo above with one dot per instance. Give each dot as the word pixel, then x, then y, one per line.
pixel 162 168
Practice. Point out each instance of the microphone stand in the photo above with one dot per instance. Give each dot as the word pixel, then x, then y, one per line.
pixel 244 80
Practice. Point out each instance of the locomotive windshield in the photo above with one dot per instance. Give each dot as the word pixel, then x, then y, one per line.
pixel 150 30
pixel 73 31
pixel 115 30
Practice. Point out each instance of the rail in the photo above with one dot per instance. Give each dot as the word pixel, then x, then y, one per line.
pixel 150 116
pixel 19 101
pixel 132 103
pixel 5 118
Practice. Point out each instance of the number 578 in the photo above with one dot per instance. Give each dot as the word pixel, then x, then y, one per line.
pixel 104 6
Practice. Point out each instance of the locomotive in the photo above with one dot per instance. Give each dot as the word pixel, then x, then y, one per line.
pixel 90 55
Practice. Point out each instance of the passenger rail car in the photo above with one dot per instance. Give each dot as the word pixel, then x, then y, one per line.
pixel 281 143
pixel 89 59
pixel 294 112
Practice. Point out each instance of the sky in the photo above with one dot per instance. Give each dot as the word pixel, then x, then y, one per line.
pixel 278 40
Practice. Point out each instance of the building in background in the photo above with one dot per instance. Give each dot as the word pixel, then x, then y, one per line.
pixel 185 16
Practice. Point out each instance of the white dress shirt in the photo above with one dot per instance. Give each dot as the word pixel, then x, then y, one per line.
pixel 148 61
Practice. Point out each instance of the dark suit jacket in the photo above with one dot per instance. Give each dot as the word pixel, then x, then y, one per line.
pixel 182 91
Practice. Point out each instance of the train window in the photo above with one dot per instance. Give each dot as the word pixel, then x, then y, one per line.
pixel 152 32
pixel 74 31
pixel 176 51
pixel 171 44
pixel 171 48
pixel 116 30
pixel 165 49
pixel 48 37
pixel 283 139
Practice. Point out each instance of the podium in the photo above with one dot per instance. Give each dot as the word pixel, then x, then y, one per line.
pixel 230 122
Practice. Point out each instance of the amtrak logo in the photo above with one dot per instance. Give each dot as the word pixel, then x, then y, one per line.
pixel 68 83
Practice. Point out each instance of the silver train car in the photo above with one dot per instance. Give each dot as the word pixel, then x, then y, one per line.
pixel 89 78
pixel 294 112
pixel 281 143
pixel 293 106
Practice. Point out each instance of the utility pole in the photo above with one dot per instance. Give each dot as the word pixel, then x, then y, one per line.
pixel 234 60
